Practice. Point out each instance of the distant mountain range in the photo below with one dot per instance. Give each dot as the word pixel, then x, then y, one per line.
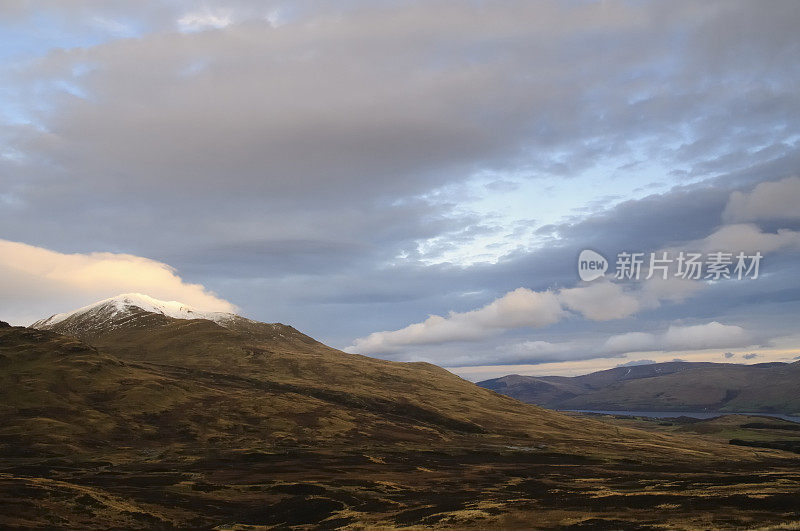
pixel 672 386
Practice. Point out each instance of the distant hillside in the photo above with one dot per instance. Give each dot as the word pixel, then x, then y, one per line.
pixel 673 386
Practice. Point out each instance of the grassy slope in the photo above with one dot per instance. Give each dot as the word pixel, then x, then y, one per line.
pixel 191 383
pixel 195 426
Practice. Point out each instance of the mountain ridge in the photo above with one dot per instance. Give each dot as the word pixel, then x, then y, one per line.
pixel 277 359
pixel 670 386
pixel 136 310
pixel 120 304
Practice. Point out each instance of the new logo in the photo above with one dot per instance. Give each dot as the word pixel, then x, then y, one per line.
pixel 591 265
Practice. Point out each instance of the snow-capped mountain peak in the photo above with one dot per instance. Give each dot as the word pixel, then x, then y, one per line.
pixel 122 305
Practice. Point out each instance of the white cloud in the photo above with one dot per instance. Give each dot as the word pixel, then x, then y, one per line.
pixel 601 301
pixel 524 308
pixel 695 337
pixel 39 282
pixel 539 349
pixel 630 342
pixel 745 237
pixel 598 301
pixel 768 200
pixel 710 335
pixel 519 308
pixel 672 289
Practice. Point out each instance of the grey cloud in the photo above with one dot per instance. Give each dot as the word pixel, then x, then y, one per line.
pixel 288 168
pixel 408 293
pixel 768 200
pixel 305 114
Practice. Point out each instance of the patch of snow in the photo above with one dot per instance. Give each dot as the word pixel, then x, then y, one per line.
pixel 122 304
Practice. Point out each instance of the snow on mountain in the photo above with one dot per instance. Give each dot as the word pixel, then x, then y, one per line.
pixel 122 305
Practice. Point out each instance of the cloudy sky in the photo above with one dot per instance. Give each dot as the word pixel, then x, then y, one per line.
pixel 410 180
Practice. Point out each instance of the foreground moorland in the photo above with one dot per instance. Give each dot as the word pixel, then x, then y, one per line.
pixel 134 419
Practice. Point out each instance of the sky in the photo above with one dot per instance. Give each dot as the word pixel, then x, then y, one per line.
pixel 411 180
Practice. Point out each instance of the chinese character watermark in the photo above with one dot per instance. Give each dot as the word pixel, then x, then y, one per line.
pixel 714 266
